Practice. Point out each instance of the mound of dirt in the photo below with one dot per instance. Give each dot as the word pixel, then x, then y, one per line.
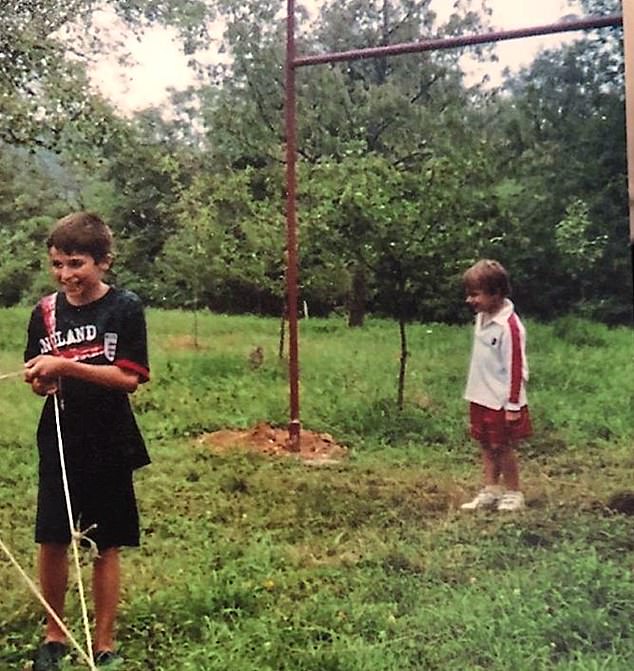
pixel 314 448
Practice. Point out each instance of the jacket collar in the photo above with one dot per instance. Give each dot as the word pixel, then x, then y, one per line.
pixel 500 317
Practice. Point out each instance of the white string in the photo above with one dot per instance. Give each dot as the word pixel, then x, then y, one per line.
pixel 76 537
pixel 76 534
pixel 46 605
pixel 6 376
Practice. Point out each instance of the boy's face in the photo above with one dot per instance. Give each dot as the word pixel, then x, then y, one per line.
pixel 79 276
pixel 482 301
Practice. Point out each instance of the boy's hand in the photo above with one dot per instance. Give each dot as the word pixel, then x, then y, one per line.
pixel 44 386
pixel 44 366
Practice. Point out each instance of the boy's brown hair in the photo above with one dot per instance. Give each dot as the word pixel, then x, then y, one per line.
pixel 84 233
pixel 489 276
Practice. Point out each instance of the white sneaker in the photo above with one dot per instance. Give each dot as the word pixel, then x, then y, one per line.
pixel 511 501
pixel 486 498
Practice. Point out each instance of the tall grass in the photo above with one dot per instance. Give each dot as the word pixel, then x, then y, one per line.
pixel 267 564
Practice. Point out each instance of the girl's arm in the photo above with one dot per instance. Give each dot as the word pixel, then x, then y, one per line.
pixel 512 353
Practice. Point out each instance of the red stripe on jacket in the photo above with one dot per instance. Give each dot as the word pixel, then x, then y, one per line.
pixel 516 359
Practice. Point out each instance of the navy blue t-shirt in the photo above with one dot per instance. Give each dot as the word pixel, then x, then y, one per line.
pixel 98 426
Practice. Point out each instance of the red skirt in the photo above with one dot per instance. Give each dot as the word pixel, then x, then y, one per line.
pixel 489 427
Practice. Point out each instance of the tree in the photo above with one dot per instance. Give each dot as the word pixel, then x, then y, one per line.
pixel 564 128
pixel 46 46
pixel 410 230
pixel 579 252
pixel 30 200
pixel 226 252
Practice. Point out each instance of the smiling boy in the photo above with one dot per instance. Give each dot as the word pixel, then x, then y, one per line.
pixel 87 345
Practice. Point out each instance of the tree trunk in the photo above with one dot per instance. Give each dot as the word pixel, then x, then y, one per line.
pixel 280 351
pixel 403 363
pixel 357 299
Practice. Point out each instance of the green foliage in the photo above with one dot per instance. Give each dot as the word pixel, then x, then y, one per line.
pixel 579 332
pixel 44 92
pixel 406 174
pixel 566 149
pixel 399 108
pixel 21 254
pixel 402 227
pixel 227 243
pixel 571 237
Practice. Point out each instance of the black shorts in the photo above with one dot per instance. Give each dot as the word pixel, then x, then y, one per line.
pixel 102 496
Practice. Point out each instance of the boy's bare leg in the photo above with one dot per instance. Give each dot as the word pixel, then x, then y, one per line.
pixel 106 582
pixel 510 468
pixel 53 572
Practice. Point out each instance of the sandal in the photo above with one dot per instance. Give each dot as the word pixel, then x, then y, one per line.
pixel 108 658
pixel 48 656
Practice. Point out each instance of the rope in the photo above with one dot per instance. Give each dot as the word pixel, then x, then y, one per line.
pixel 15 373
pixel 30 583
pixel 76 537
pixel 76 534
pixel 46 605
pixel 48 308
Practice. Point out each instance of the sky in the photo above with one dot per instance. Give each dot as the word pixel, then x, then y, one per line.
pixel 160 66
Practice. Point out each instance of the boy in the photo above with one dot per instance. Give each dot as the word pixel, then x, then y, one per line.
pixel 87 345
pixel 496 385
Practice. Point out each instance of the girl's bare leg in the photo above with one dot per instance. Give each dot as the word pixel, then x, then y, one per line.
pixel 490 465
pixel 510 468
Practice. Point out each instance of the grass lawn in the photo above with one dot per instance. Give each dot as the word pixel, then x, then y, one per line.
pixel 259 564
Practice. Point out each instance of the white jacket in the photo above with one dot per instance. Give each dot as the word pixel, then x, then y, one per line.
pixel 498 371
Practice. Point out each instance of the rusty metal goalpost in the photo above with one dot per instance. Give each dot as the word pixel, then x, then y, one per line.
pixel 293 62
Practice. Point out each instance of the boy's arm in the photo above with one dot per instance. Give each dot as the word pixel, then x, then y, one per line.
pixel 132 353
pixel 52 367
pixel 35 332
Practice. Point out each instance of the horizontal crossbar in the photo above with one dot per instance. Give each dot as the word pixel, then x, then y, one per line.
pixel 587 23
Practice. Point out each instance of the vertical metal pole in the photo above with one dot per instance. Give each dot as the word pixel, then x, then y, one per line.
pixel 294 426
pixel 628 57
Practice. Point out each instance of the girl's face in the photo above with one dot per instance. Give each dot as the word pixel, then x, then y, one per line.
pixel 481 301
pixel 79 276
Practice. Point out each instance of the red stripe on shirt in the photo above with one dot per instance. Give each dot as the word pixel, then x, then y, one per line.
pixel 81 353
pixel 47 306
pixel 516 360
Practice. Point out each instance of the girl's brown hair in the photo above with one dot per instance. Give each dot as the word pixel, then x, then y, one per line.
pixel 489 276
